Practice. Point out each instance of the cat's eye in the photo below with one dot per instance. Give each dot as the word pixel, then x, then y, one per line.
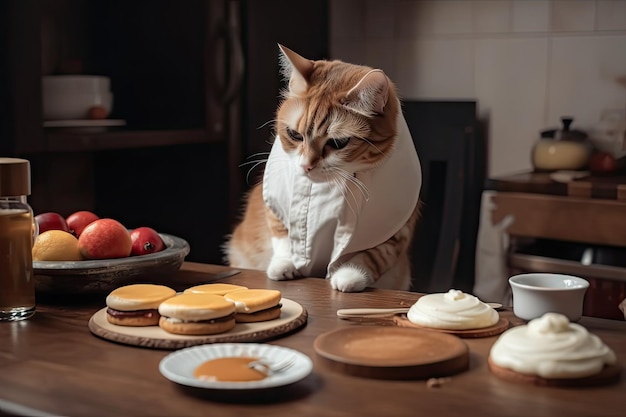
pixel 338 143
pixel 294 135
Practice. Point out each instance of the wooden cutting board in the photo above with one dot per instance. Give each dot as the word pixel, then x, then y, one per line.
pixel 292 317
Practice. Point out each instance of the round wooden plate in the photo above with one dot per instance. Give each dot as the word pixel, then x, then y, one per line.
pixel 387 352
pixel 502 324
pixel 292 317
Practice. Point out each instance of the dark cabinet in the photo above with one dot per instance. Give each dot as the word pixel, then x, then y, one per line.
pixel 194 82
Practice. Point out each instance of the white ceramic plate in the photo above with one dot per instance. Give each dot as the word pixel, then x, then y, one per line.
pixel 179 366
pixel 568 176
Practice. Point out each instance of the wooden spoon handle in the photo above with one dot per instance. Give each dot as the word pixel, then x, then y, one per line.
pixel 369 312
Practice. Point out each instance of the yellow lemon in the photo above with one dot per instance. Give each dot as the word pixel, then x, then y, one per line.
pixel 56 245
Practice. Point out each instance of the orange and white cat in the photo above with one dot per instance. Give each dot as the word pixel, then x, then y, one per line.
pixel 340 192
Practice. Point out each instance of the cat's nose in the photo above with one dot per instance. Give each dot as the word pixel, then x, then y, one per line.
pixel 307 167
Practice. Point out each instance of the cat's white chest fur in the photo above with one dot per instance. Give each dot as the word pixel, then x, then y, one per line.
pixel 329 220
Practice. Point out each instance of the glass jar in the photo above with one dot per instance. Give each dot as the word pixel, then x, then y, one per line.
pixel 17 233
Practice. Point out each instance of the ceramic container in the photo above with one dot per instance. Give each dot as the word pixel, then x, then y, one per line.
pixel 562 149
pixel 535 294
pixel 70 97
pixel 75 83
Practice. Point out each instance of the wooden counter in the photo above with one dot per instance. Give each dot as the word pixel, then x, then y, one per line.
pixel 590 209
pixel 52 364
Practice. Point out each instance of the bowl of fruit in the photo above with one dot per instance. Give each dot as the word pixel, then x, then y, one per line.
pixel 84 254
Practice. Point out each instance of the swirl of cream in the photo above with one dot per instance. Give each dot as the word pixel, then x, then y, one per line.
pixel 551 347
pixel 454 310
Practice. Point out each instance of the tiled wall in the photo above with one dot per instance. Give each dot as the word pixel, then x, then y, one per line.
pixel 526 62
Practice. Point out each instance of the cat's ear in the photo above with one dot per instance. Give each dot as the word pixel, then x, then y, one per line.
pixel 297 68
pixel 369 96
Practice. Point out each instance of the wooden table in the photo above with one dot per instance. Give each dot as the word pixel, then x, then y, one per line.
pixel 52 364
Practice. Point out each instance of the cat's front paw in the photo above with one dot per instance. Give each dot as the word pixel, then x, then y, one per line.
pixel 281 269
pixel 350 278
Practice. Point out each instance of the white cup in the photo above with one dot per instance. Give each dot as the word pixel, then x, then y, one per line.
pixel 535 294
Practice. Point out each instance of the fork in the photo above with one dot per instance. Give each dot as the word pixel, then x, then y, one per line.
pixel 270 368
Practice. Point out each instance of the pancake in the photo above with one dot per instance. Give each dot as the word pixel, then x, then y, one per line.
pixel 254 305
pixel 197 314
pixel 552 351
pixel 214 288
pixel 137 304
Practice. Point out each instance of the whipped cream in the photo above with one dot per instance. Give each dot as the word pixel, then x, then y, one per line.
pixel 240 306
pixel 454 310
pixel 551 347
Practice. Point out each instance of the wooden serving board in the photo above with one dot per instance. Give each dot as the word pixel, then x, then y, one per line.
pixel 292 317
pixel 502 324
pixel 389 352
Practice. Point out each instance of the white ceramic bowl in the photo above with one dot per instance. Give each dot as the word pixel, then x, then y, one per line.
pixel 69 97
pixel 535 294
pixel 75 106
pixel 75 83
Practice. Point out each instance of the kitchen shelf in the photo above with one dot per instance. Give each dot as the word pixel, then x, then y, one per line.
pixel 64 141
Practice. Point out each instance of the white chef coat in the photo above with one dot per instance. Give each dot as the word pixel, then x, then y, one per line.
pixel 327 224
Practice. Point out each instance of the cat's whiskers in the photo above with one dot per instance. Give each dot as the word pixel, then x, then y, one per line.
pixel 278 167
pixel 341 185
pixel 258 154
pixel 350 177
pixel 281 162
pixel 372 145
pixel 255 163
pixel 267 123
pixel 249 173
pixel 342 179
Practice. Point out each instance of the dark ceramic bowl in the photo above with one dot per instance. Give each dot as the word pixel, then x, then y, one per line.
pixel 102 276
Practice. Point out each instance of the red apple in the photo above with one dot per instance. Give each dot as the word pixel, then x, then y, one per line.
pixel 145 240
pixel 79 220
pixel 104 239
pixel 602 163
pixel 51 221
pixel 97 112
